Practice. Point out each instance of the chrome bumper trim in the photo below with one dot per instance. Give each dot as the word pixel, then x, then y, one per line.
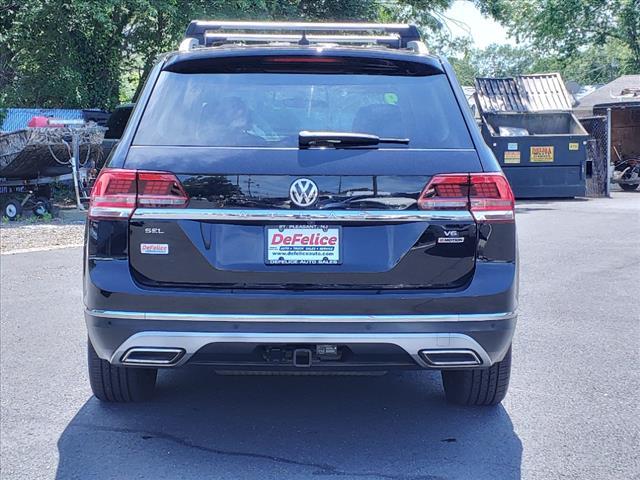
pixel 231 215
pixel 412 343
pixel 204 317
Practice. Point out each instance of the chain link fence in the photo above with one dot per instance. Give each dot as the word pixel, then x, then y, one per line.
pixel 597 157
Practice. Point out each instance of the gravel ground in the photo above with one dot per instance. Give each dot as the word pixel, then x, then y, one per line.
pixel 19 237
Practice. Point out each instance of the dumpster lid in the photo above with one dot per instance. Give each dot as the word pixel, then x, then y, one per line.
pixel 523 93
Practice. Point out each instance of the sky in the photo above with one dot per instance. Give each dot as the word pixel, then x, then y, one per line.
pixel 484 30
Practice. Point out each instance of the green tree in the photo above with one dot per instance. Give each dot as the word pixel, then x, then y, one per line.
pixel 159 25
pixel 565 30
pixel 79 53
pixel 48 46
pixel 428 15
pixel 8 10
pixel 493 61
pixel 96 53
pixel 596 64
pixel 73 52
pixel 320 10
pixel 504 60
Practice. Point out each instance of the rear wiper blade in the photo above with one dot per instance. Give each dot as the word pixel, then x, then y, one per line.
pixel 307 139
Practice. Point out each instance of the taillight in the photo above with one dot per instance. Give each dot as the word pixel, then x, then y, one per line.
pixel 160 189
pixel 487 196
pixel 114 194
pixel 445 192
pixel 117 192
pixel 491 198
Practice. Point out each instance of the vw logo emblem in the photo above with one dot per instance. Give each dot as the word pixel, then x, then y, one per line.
pixel 303 192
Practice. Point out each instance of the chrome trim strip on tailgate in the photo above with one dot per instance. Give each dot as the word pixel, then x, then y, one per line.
pixel 203 317
pixel 244 215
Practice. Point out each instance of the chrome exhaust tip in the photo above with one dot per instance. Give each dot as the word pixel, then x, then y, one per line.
pixel 450 358
pixel 152 356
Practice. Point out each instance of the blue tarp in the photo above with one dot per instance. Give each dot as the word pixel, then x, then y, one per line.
pixel 17 118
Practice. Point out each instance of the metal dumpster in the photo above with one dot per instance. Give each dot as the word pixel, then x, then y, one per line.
pixel 527 122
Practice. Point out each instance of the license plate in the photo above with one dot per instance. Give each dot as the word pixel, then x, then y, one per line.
pixel 303 245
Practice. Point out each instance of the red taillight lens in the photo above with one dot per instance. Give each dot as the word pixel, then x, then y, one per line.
pixel 445 192
pixel 491 198
pixel 114 194
pixel 487 195
pixel 160 189
pixel 117 192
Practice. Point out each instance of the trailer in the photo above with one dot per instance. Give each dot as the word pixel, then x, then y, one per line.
pixel 33 159
pixel 541 146
pixel 34 195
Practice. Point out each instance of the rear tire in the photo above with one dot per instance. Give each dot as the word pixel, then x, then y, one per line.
pixel 480 386
pixel 627 187
pixel 110 383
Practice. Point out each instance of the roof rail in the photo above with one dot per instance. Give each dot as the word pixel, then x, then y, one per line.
pixel 203 33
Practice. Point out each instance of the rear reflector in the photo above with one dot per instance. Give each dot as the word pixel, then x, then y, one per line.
pixel 487 196
pixel 117 192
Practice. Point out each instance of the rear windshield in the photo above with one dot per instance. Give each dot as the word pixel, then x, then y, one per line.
pixel 269 110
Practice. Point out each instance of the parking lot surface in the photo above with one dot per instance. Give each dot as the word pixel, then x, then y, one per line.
pixel 571 412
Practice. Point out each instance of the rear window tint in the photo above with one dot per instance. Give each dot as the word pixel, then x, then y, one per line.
pixel 269 110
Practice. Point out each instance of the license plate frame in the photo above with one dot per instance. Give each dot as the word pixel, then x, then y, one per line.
pixel 333 253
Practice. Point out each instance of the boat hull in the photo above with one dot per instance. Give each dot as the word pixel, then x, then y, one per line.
pixel 45 152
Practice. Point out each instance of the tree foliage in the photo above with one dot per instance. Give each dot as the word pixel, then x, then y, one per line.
pixel 96 53
pixel 80 53
pixel 46 47
pixel 493 61
pixel 591 39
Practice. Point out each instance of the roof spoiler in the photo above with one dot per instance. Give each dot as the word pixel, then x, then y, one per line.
pixel 205 33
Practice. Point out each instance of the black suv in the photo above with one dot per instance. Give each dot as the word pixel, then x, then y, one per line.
pixel 301 198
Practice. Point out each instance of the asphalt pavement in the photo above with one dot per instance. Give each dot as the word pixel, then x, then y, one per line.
pixel 572 411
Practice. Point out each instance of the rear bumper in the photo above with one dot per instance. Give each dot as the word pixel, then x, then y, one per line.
pixel 122 314
pixel 487 336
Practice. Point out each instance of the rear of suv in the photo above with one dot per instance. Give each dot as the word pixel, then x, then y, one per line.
pixel 299 198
